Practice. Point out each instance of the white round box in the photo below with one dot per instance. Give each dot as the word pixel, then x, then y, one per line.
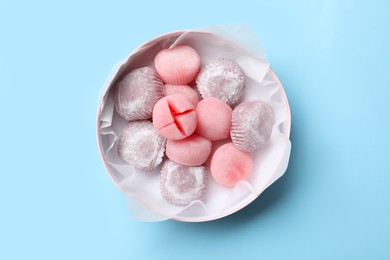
pixel 270 161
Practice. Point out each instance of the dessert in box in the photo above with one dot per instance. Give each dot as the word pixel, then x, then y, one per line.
pixel 194 125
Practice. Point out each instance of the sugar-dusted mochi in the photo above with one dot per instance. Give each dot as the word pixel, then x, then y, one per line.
pixel 178 65
pixel 252 123
pixel 230 165
pixel 222 79
pixel 181 184
pixel 214 119
pixel 141 146
pixel 185 90
pixel 174 117
pixel 136 94
pixel 192 151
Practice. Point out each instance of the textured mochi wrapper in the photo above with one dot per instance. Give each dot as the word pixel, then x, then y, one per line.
pixel 192 151
pixel 214 119
pixel 141 146
pixel 230 165
pixel 185 90
pixel 252 123
pixel 222 79
pixel 178 65
pixel 181 184
pixel 174 117
pixel 136 94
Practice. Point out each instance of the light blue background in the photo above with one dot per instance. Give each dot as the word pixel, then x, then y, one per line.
pixel 57 201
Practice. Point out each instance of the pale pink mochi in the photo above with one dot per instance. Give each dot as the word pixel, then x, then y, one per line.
pixel 174 117
pixel 252 123
pixel 178 65
pixel 181 184
pixel 214 119
pixel 185 90
pixel 222 79
pixel 229 165
pixel 136 94
pixel 141 146
pixel 192 151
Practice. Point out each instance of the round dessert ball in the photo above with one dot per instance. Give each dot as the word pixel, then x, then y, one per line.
pixel 181 184
pixel 230 165
pixel 252 124
pixel 192 151
pixel 214 119
pixel 222 79
pixel 141 146
pixel 174 117
pixel 178 65
pixel 136 94
pixel 184 90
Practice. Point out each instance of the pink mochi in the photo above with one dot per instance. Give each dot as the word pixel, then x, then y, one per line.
pixel 174 117
pixel 214 119
pixel 229 165
pixel 192 151
pixel 178 65
pixel 188 92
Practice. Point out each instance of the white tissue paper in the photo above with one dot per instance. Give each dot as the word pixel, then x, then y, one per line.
pixel 270 161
